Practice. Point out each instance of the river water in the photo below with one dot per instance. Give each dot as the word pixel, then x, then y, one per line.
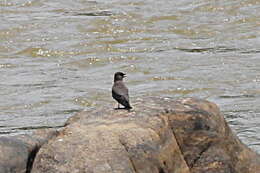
pixel 59 57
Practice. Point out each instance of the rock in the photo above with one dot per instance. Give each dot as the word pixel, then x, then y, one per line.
pixel 158 136
pixel 18 152
pixel 206 141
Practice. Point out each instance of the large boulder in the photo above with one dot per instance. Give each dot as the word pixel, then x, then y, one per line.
pixel 159 136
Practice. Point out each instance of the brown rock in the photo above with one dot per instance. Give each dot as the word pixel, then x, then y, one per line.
pixel 207 143
pixel 158 136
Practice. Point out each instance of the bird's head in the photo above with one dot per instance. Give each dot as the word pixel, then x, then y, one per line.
pixel 119 76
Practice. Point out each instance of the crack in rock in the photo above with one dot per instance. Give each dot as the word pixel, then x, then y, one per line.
pixel 127 150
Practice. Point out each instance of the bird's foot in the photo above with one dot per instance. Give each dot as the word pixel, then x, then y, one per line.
pixel 118 108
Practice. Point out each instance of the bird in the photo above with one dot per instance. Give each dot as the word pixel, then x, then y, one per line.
pixel 120 91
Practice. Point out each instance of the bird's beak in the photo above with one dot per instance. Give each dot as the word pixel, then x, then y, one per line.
pixel 124 75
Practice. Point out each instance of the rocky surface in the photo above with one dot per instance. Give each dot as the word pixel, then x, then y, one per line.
pixel 17 153
pixel 159 136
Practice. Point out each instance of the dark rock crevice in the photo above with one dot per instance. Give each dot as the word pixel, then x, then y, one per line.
pixel 161 170
pixel 41 137
pixel 31 158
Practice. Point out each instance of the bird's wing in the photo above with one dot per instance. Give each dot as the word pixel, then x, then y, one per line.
pixel 119 88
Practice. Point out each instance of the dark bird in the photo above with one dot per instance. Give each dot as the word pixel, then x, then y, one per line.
pixel 120 91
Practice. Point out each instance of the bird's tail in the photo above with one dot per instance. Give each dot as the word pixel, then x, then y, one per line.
pixel 129 107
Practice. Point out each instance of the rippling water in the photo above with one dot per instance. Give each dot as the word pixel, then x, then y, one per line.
pixel 58 57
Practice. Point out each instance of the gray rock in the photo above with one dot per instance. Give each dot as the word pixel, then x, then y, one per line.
pixel 18 152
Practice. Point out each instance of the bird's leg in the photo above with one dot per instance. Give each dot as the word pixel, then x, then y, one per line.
pixel 118 106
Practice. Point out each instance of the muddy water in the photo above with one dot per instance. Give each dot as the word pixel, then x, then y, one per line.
pixel 58 57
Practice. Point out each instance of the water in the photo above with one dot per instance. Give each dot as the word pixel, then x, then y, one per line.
pixel 58 57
